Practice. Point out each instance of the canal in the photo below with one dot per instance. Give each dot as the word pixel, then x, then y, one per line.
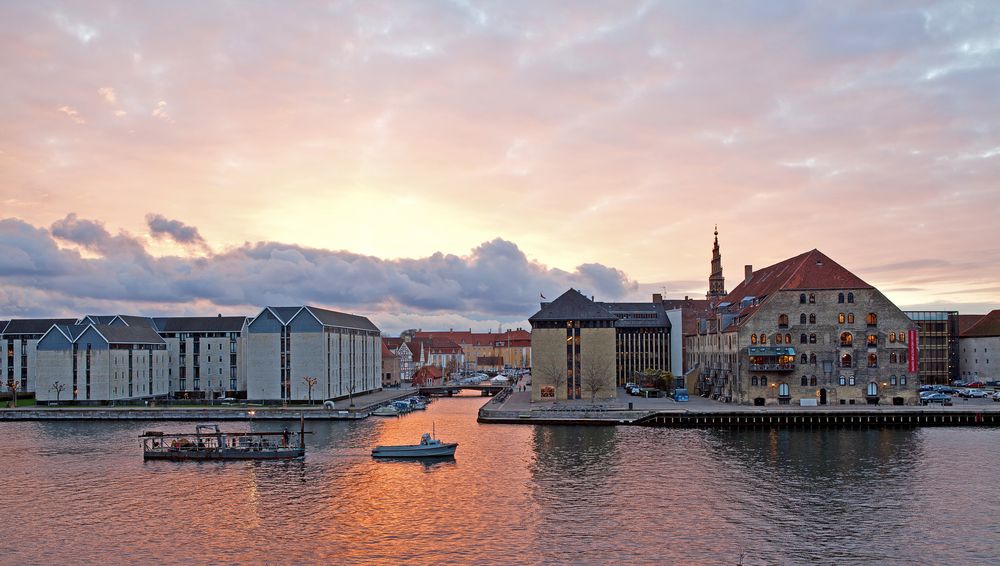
pixel 79 492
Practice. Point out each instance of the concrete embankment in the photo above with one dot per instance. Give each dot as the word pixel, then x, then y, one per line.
pixel 181 414
pixel 755 417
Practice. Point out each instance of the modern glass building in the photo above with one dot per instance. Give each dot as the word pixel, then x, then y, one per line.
pixel 937 340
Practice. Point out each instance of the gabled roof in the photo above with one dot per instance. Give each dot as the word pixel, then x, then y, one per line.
pixel 811 270
pixel 200 323
pixel 967 321
pixel 97 319
pixel 392 343
pixel 284 314
pixel 3 325
pixel 386 352
pixel 571 305
pixel 34 325
pixel 128 334
pixel 340 319
pixel 135 320
pixel 437 344
pixel 988 325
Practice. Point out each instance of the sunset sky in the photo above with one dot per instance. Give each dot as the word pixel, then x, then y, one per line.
pixel 441 164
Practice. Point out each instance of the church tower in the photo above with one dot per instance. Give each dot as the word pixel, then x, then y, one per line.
pixel 716 282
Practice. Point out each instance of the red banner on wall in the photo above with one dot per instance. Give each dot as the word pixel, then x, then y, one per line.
pixel 913 357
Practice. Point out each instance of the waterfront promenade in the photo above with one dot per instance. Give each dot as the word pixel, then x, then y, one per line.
pixel 363 406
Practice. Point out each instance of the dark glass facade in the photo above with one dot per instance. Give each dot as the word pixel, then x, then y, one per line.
pixel 937 340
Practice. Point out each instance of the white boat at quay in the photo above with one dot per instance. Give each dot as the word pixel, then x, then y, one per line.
pixel 386 411
pixel 429 447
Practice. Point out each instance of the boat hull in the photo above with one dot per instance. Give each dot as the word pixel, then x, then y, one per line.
pixel 227 454
pixel 415 451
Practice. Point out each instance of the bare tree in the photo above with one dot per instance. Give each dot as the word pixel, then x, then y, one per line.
pixel 596 374
pixel 551 371
pixel 310 383
pixel 14 385
pixel 58 388
pixel 350 391
pixel 450 368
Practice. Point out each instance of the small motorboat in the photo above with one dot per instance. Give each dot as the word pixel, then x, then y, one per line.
pixel 429 447
pixel 386 411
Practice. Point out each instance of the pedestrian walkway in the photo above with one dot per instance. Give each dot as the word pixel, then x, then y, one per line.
pixel 368 401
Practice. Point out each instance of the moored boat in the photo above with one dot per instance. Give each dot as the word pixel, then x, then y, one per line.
pixel 210 443
pixel 429 447
pixel 386 411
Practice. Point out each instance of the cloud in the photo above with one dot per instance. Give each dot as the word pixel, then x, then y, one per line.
pixel 160 111
pixel 72 113
pixel 108 94
pixel 495 283
pixel 160 226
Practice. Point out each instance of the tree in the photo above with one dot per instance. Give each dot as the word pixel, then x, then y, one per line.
pixel 669 381
pixel 450 368
pixel 350 391
pixel 13 385
pixel 58 388
pixel 550 370
pixel 310 383
pixel 596 374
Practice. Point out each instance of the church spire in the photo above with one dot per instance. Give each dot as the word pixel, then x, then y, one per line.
pixel 716 282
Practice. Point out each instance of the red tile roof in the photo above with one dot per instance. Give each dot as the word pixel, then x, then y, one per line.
pixel 988 325
pixel 463 337
pixel 967 321
pixel 386 352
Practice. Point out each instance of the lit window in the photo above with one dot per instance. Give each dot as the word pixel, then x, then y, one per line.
pixel 753 338
pixel 892 380
pixel 843 380
pixel 763 338
pixel 872 319
pixel 850 380
pixel 850 318
pixel 892 337
pixel 777 338
pixel 841 318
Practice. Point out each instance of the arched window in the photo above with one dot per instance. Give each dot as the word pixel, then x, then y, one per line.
pixel 872 389
pixel 892 337
pixel 802 299
pixel 850 380
pixel 805 381
pixel 812 298
pixel 788 338
pixel 846 361
pixel 753 380
pixel 873 340
pixel 850 318
pixel 841 318
pixel 850 297
pixel 812 338
pixel 843 380
pixel 783 390
pixel 873 360
pixel 777 338
pixel 802 339
pixel 812 358
pixel 812 319
pixel 783 321
pixel 840 297
pixel 872 319
pixel 805 359
pixel 812 380
pixel 802 318
pixel 763 381
pixel 753 338
pixel 846 339
pixel 902 337
pixel 763 338
pixel 893 358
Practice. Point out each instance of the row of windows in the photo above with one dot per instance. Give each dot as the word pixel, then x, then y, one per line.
pixel 871 319
pixel 810 380
pixel 812 298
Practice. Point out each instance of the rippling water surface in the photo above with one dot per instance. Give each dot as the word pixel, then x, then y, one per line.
pixel 81 493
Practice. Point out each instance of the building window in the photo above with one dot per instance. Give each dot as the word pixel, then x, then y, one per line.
pixel 872 319
pixel 873 360
pixel 850 318
pixel 803 339
pixel 812 319
pixel 902 337
pixel 812 338
pixel 783 321
pixel 872 389
pixel 802 318
pixel 788 338
pixel 805 359
pixel 841 318
pixel 812 358
pixel 843 380
pixel 850 380
pixel 812 380
pixel 777 338
pixel 850 297
pixel 892 337
pixel 753 380
pixel 753 338
pixel 805 381
pixel 846 339
pixel 872 340
pixel 846 361
pixel 802 299
pixel 763 381
pixel 840 297
pixel 892 380
pixel 902 380
pixel 812 298
pixel 763 338
pixel 893 358
pixel 783 390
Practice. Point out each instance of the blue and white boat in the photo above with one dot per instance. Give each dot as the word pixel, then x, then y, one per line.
pixel 429 447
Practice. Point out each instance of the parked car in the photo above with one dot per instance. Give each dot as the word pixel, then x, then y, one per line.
pixel 996 396
pixel 936 398
pixel 975 393
pixel 947 390
pixel 681 395
pixel 959 383
pixel 928 388
pixel 976 384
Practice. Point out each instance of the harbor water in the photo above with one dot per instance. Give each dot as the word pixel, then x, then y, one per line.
pixel 80 492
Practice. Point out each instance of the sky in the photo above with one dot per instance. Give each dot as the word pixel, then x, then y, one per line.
pixel 445 164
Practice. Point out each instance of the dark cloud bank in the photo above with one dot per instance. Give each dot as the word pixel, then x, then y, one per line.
pixel 495 280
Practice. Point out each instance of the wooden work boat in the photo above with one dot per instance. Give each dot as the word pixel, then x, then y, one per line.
pixel 209 443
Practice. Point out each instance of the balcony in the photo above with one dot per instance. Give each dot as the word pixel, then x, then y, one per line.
pixel 775 366
pixel 775 359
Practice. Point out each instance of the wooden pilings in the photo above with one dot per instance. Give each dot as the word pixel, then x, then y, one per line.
pixel 811 419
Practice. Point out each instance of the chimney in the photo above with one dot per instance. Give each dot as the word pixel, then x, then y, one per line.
pixel 747 273
pixel 686 298
pixel 657 298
